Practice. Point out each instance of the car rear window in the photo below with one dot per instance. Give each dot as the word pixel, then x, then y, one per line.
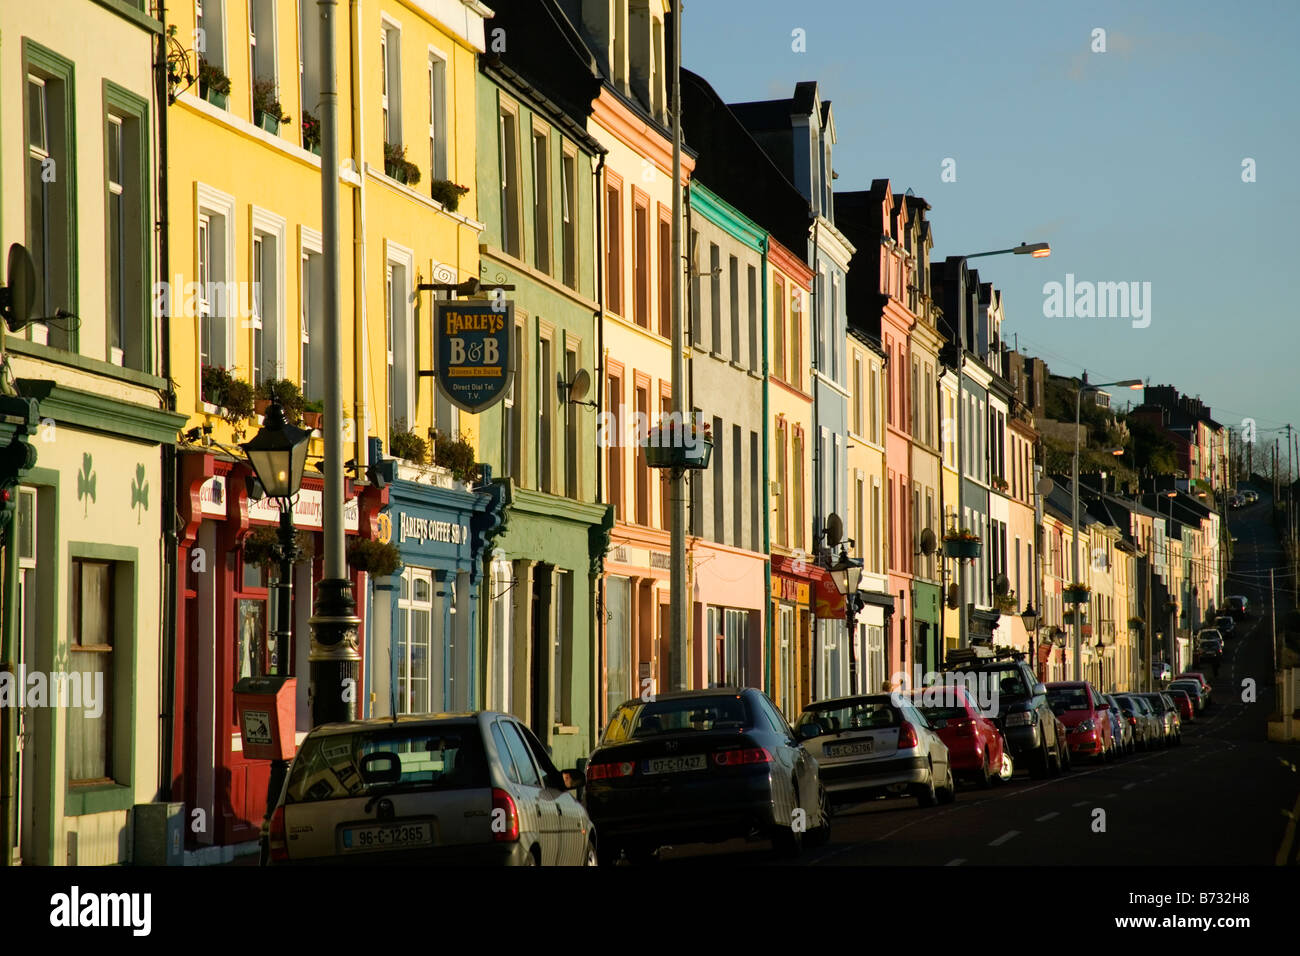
pixel 875 714
pixel 384 760
pixel 1068 698
pixel 638 720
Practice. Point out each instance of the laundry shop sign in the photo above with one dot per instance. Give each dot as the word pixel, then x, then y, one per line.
pixel 472 350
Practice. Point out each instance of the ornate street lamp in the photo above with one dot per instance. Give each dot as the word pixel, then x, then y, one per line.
pixel 1030 618
pixel 846 572
pixel 278 453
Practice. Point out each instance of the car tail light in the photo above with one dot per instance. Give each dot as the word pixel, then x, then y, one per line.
pixel 504 811
pixel 277 843
pixel 907 738
pixel 965 728
pixel 608 771
pixel 1133 721
pixel 734 758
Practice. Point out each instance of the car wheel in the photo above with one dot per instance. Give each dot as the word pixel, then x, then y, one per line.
pixel 1042 762
pixel 608 852
pixel 530 859
pixel 949 792
pixel 592 859
pixel 926 796
pixel 1056 762
pixel 1008 768
pixel 985 779
pixel 821 835
pixel 1067 759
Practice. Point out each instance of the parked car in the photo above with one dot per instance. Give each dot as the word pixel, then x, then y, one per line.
pixel 1237 605
pixel 1033 734
pixel 1194 690
pixel 877 745
pixel 975 745
pixel 703 766
pixel 1083 711
pixel 1147 731
pixel 1186 706
pixel 1236 501
pixel 463 789
pixel 1121 729
pixel 1209 646
pixel 1207 690
pixel 1250 495
pixel 1166 712
pixel 1161 671
pixel 1225 625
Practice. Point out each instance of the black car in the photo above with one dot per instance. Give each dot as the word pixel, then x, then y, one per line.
pixel 1032 731
pixel 1236 604
pixel 1225 625
pixel 702 766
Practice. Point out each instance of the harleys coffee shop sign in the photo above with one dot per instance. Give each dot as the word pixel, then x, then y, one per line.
pixel 474 362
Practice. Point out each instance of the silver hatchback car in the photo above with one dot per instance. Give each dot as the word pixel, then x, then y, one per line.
pixel 876 745
pixel 464 789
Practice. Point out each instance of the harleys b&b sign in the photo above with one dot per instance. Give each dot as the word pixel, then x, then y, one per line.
pixel 472 351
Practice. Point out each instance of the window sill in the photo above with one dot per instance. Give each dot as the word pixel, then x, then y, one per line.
pixel 51 353
pixel 564 730
pixel 97 798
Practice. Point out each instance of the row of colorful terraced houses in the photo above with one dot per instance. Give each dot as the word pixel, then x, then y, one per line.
pixel 166 179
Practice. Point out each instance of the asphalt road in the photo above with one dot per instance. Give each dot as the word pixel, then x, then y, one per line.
pixel 1222 797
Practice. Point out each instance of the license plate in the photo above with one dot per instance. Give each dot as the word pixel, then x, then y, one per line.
pixel 676 764
pixel 391 837
pixel 851 750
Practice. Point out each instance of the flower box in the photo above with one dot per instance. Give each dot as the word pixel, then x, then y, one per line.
pixel 268 121
pixel 966 548
pixel 219 100
pixel 694 455
pixel 395 171
pixel 1076 593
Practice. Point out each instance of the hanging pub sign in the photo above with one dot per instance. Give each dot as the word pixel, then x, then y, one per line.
pixel 472 351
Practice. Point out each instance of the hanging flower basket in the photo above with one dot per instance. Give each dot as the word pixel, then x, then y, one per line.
pixel 375 558
pixel 687 446
pixel 962 544
pixel 1136 624
pixel 1077 593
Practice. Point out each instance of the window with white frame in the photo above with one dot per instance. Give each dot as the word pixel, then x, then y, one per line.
pixel 412 642
pixel 214 261
pixel 126 210
pixel 437 115
pixel 390 87
pixel 210 31
pixel 561 664
pixel 50 191
pixel 728 630
pixel 569 213
pixel 311 293
pixel 789 679
pixel 266 313
pixel 502 596
pixel 541 200
pixel 263 73
pixel 397 298
pixel 309 65
pixel 508 145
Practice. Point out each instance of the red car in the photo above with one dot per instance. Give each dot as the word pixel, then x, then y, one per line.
pixel 1197 676
pixel 975 745
pixel 1083 711
pixel 1184 702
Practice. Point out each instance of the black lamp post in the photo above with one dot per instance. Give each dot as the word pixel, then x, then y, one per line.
pixel 278 453
pixel 1030 617
pixel 846 572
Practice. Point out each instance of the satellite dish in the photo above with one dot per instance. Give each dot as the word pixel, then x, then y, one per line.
pixel 928 542
pixel 1001 585
pixel 580 385
pixel 834 530
pixel 954 597
pixel 1044 486
pixel 19 294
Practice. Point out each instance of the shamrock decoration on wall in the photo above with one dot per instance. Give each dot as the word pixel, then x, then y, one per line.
pixel 86 483
pixel 140 493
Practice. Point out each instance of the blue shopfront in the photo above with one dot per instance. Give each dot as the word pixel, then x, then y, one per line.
pixel 422 653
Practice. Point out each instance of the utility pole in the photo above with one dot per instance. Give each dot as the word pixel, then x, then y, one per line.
pixel 335 662
pixel 679 598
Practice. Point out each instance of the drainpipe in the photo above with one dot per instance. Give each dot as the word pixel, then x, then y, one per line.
pixel 763 492
pixel 171 574
pixel 598 702
pixel 361 378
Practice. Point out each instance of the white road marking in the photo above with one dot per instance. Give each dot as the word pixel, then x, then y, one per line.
pixel 1081 803
pixel 1046 816
pixel 1009 835
pixel 1128 786
pixel 957 862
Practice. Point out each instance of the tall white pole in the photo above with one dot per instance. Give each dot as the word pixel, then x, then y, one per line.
pixel 678 596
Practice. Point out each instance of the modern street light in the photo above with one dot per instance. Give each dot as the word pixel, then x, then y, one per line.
pixel 278 453
pixel 1133 383
pixel 1038 250
pixel 846 572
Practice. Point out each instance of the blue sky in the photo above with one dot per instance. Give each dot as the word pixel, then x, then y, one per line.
pixel 1129 162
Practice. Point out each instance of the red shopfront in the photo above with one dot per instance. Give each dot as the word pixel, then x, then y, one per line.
pixel 226 610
